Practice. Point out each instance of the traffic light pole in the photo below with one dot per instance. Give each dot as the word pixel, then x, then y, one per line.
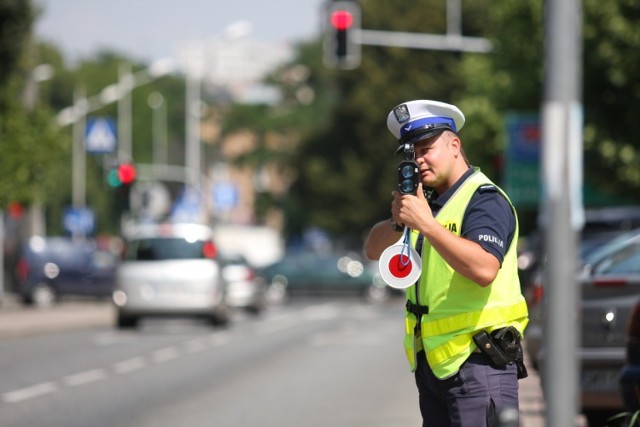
pixel 452 42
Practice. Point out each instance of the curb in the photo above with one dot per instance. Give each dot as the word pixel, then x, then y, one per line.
pixel 17 320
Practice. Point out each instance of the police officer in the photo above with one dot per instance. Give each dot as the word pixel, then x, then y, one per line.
pixel 466 232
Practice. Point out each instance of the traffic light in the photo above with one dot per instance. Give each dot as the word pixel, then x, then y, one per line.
pixel 127 173
pixel 122 175
pixel 341 34
pixel 121 178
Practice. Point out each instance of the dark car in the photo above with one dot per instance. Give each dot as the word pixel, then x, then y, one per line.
pixel 630 374
pixel 610 285
pixel 601 226
pixel 50 268
pixel 325 273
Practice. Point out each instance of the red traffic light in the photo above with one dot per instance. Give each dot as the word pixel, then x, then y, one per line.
pixel 341 19
pixel 126 173
pixel 341 26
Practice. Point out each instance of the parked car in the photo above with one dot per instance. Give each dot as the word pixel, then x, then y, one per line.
pixel 325 273
pixel 610 284
pixel 601 226
pixel 170 270
pixel 245 289
pixel 50 268
pixel 630 374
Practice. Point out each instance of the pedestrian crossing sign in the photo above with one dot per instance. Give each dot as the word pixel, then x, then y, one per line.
pixel 100 136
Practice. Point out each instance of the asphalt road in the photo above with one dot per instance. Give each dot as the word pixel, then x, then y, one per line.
pixel 312 363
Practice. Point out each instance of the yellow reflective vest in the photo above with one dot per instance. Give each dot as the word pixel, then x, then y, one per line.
pixel 459 307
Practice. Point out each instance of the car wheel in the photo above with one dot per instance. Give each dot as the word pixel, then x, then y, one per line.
pixel 43 295
pixel 127 322
pixel 254 310
pixel 219 320
pixel 277 292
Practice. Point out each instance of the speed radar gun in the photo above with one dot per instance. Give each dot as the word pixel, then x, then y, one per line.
pixel 400 265
pixel 408 171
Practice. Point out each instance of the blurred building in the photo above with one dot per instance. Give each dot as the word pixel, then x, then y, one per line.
pixel 233 70
pixel 237 67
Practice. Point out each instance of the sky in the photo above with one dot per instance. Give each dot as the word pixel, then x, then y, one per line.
pixel 154 29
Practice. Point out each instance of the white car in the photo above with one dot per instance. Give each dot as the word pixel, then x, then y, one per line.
pixel 170 270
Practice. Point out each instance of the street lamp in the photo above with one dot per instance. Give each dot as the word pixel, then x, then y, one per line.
pixel 39 73
pixel 159 123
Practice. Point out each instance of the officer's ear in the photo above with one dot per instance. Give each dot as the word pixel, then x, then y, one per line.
pixel 455 144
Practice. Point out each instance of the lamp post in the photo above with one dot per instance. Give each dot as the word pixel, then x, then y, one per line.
pixel 194 68
pixel 159 128
pixel 30 95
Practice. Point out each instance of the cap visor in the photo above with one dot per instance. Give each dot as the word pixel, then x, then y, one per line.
pixel 419 136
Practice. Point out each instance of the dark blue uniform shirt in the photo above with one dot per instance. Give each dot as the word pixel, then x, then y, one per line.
pixel 489 219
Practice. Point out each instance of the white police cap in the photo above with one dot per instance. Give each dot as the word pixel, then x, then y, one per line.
pixel 416 120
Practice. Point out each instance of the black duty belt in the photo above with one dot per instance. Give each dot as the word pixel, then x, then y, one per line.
pixel 416 309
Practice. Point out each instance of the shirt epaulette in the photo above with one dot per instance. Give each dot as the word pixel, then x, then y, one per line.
pixel 487 188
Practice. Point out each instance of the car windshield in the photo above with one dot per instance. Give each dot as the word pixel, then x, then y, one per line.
pixel 615 244
pixel 624 261
pixel 164 248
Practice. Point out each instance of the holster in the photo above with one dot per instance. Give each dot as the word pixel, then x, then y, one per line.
pixel 502 347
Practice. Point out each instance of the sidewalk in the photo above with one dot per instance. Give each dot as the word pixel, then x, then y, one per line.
pixel 18 320
pixel 532 406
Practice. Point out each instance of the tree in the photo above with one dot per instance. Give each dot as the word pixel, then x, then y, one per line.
pixel 16 19
pixel 29 140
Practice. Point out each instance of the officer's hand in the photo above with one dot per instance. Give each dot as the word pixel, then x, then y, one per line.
pixel 410 209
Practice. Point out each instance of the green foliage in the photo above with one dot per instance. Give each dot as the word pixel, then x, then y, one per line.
pixel 612 95
pixel 32 156
pixel 16 18
pixel 626 419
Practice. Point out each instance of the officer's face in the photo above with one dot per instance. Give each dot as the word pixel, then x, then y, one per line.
pixel 436 156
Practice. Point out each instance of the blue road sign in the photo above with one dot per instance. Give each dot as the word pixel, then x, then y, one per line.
pixel 79 220
pixel 225 196
pixel 100 135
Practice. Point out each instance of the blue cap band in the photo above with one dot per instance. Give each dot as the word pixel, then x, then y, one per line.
pixel 421 123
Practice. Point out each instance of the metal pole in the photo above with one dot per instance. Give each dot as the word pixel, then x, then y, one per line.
pixel 125 85
pixel 159 128
pixel 78 186
pixel 423 41
pixel 193 107
pixel 562 209
pixel 454 18
pixel 1 257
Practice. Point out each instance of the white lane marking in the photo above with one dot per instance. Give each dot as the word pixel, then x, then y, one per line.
pixel 30 392
pixel 110 338
pixel 165 354
pixel 194 346
pixel 278 323
pixel 218 339
pixel 129 365
pixel 85 377
pixel 270 328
